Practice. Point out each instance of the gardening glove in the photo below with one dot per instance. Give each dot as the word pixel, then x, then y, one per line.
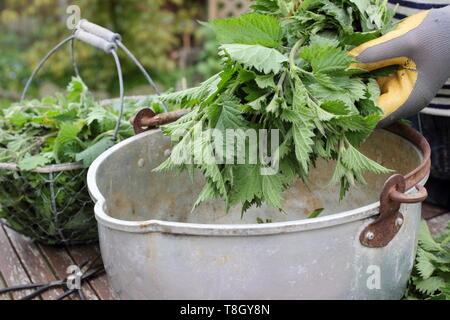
pixel 421 45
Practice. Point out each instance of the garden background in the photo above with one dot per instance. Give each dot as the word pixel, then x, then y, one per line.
pixel 164 34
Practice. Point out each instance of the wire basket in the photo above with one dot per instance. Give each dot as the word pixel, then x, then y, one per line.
pixel 40 203
pixel 39 206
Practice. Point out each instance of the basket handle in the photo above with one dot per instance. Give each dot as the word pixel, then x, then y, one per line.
pixel 95 41
pixel 99 31
pixel 109 36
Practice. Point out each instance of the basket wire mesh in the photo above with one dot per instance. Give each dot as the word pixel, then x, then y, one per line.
pixel 41 207
pixel 39 203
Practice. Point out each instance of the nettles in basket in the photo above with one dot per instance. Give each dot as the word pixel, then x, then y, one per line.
pixel 61 129
pixel 55 208
pixel 286 70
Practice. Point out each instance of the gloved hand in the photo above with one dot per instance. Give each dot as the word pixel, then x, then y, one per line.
pixel 421 45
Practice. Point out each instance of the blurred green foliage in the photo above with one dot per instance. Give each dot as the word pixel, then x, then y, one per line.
pixel 154 30
pixel 208 61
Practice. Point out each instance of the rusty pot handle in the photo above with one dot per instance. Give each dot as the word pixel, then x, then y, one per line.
pixel 379 233
pixel 400 197
pixel 146 119
pixel 383 230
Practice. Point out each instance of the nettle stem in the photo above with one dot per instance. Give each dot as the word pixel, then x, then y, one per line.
pixel 294 52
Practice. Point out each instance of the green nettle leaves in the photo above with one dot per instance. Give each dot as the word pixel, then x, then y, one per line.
pixel 325 57
pixel 285 69
pixel 431 273
pixel 91 153
pixel 60 129
pixel 31 162
pixel 265 60
pixel 251 29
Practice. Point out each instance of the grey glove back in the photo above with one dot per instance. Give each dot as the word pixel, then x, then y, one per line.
pixel 428 45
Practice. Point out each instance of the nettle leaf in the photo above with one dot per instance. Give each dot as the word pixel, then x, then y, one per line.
pixel 259 103
pixel 32 162
pixel 426 241
pixel 194 95
pixel 315 213
pixel 266 6
pixel 357 38
pixel 326 80
pixel 362 5
pixel 208 192
pixel 70 115
pixel 97 113
pixel 373 90
pixel 324 58
pixel 272 190
pixel 354 123
pixel 303 134
pixel 355 160
pixel 263 59
pixel 252 28
pixel 76 89
pixel 345 177
pixel 358 137
pixel 349 90
pixel 179 128
pixel 19 143
pixel 335 107
pixel 431 285
pixel 247 183
pixel 90 154
pixel 424 264
pixel 226 115
pixel 342 16
pixel 253 92
pixel 68 133
pixel 265 82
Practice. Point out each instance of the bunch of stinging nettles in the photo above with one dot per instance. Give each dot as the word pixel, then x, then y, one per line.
pixel 285 66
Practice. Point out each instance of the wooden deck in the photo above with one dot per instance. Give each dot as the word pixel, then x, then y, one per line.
pixel 23 262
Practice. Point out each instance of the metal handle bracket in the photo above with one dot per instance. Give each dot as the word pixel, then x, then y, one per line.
pixel 379 233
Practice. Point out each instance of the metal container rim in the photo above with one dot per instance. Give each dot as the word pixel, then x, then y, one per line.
pixel 169 227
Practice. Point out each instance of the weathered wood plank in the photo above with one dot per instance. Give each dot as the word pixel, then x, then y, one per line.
pixel 60 261
pixel 34 262
pixel 2 286
pixel 100 284
pixel 439 223
pixel 12 271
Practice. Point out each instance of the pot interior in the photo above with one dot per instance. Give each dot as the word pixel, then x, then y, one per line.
pixel 134 193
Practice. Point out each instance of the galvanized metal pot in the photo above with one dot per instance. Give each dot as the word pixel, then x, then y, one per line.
pixel 360 248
